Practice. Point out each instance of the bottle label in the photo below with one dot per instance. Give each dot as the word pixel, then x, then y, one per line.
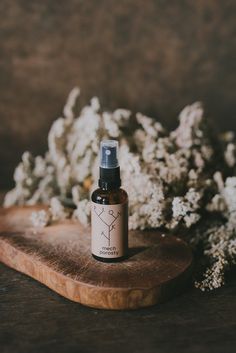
pixel 109 230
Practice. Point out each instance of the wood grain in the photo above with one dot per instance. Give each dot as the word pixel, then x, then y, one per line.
pixel 59 256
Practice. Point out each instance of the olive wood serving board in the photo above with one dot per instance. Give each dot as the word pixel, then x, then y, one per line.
pixel 59 256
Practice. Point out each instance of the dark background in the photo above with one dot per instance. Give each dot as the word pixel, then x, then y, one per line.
pixel 149 56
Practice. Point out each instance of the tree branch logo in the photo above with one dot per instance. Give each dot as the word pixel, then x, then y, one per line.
pixel 105 216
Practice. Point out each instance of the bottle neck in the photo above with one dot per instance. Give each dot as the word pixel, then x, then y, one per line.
pixel 109 178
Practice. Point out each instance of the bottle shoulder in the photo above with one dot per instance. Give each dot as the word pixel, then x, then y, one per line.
pixel 109 197
pixel 109 192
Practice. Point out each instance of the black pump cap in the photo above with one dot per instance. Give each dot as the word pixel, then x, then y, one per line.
pixel 109 166
pixel 109 154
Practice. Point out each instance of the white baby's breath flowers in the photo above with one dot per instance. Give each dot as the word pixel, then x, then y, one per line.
pixel 57 210
pixel 175 180
pixel 82 212
pixel 186 208
pixel 40 219
pixel 214 276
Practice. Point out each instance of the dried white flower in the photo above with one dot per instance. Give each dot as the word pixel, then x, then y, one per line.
pixel 40 219
pixel 214 276
pixel 82 212
pixel 57 210
pixel 230 155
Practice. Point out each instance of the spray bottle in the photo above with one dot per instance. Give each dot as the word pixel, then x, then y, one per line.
pixel 109 209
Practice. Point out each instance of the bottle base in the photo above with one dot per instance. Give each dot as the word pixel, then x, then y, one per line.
pixel 109 259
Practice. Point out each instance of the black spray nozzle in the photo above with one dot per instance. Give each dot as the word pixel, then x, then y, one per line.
pixel 109 154
pixel 109 165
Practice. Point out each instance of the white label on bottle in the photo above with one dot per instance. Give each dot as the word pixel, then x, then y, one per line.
pixel 109 225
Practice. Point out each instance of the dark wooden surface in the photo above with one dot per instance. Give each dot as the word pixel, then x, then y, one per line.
pixel 154 58
pixel 34 319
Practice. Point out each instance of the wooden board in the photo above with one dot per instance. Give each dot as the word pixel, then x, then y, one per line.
pixel 59 257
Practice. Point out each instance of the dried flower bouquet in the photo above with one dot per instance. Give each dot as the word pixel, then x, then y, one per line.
pixel 183 179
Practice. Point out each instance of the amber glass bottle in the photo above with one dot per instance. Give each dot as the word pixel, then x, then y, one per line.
pixel 109 209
